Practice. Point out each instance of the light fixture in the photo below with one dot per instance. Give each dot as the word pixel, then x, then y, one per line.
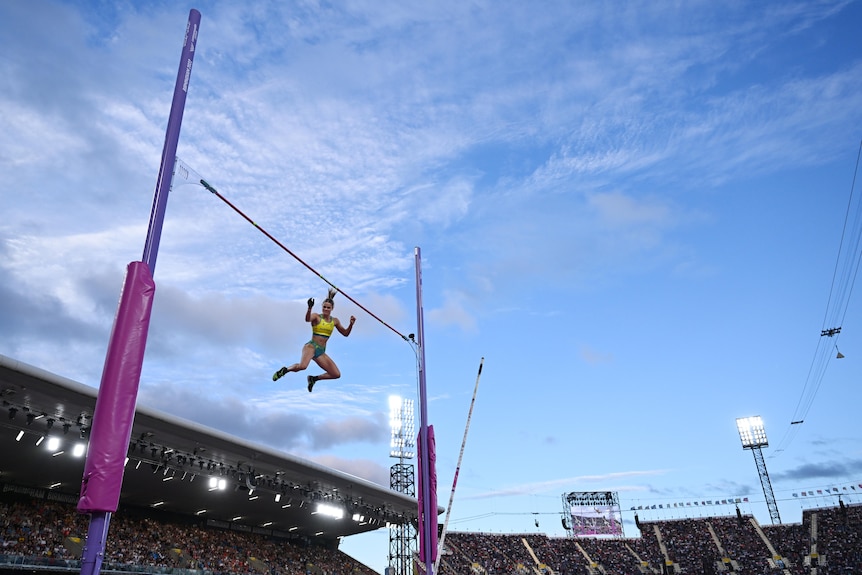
pixel 40 440
pixel 19 436
pixel 752 432
pixel 753 436
pixel 329 510
pixel 53 443
pixel 402 443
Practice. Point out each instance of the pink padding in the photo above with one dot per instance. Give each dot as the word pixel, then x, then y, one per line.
pixel 115 404
pixel 431 518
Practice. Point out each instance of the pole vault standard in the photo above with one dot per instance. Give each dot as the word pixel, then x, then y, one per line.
pixel 427 472
pixel 115 404
pixel 458 469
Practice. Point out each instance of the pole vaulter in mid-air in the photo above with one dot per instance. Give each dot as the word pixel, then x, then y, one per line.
pixel 322 325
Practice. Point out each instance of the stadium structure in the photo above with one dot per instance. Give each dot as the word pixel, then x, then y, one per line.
pixel 180 468
pixel 196 501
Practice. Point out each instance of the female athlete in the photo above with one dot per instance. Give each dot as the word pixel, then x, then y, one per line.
pixel 321 328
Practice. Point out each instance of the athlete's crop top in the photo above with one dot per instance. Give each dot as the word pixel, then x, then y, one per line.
pixel 323 327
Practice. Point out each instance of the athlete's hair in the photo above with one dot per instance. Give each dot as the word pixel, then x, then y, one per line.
pixel 332 292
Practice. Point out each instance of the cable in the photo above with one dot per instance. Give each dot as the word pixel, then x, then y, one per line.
pixel 843 278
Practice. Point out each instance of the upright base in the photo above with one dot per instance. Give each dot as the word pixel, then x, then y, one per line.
pixel 94 548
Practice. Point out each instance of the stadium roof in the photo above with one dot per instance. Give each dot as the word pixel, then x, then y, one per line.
pixel 39 404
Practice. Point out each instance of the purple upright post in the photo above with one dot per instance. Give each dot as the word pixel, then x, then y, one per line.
pixel 114 414
pixel 427 505
pixel 172 136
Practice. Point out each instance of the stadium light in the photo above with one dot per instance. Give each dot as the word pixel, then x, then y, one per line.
pixel 752 432
pixel 329 510
pixel 402 423
pixel 753 437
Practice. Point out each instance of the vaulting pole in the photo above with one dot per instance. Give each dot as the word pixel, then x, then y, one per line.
pixel 457 469
pixel 114 414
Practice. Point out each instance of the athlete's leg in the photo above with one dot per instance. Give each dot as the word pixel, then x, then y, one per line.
pixel 305 359
pixel 328 366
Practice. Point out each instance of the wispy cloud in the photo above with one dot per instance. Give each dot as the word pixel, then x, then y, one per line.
pixel 543 486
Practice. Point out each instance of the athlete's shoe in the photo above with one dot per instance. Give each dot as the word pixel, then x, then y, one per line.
pixel 311 381
pixel 280 373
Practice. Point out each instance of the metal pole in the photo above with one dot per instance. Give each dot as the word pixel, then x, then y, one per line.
pixel 115 404
pixel 172 136
pixel 428 516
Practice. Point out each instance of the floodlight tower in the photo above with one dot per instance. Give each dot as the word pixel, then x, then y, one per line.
pixel 402 538
pixel 753 437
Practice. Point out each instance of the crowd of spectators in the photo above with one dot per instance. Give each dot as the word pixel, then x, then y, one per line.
pixel 705 545
pixel 52 533
pixel 43 532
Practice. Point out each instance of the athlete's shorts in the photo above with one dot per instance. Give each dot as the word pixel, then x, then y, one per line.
pixel 318 349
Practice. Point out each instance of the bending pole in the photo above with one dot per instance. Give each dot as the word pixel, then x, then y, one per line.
pixel 427 505
pixel 114 414
pixel 457 469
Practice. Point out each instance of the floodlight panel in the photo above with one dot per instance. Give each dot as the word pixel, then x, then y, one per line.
pixel 402 425
pixel 751 432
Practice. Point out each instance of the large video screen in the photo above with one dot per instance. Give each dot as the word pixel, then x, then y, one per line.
pixel 594 513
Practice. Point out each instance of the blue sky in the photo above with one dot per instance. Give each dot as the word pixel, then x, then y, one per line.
pixel 632 211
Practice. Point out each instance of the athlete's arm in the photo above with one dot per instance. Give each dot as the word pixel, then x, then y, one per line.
pixel 341 329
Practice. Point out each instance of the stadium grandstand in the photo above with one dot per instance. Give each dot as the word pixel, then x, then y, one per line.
pixel 199 502
pixel 192 497
pixel 827 542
